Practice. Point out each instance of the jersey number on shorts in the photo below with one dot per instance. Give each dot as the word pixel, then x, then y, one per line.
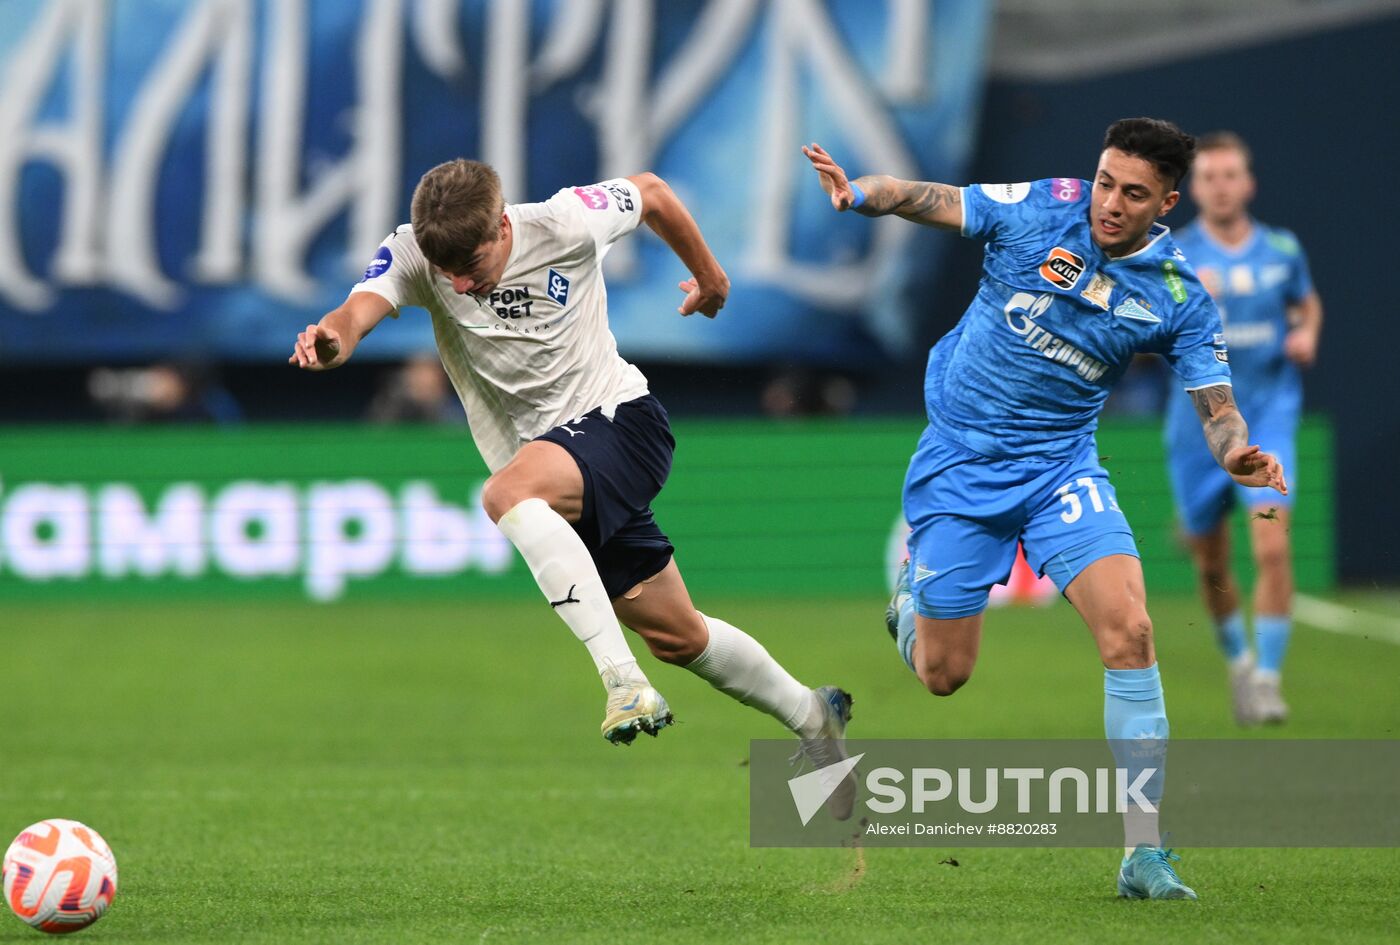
pixel 1075 508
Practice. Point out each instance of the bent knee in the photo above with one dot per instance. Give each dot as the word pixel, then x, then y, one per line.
pixel 677 651
pixel 1273 559
pixel 944 678
pixel 1214 573
pixel 1125 642
pixel 501 493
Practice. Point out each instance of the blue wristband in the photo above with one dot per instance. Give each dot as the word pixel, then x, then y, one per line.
pixel 860 196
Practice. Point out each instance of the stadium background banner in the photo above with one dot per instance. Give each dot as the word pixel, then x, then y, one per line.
pixel 223 169
pixel 325 512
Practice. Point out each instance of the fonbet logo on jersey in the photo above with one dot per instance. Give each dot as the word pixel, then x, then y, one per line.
pixel 512 301
pixel 1062 268
pixel 1021 312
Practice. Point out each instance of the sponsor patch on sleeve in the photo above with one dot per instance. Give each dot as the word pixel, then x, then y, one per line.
pixel 622 197
pixel 1172 279
pixel 1007 193
pixel 1065 189
pixel 593 197
pixel 379 264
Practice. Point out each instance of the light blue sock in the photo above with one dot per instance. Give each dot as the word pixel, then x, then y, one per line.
pixel 1271 639
pixel 1135 722
pixel 1229 634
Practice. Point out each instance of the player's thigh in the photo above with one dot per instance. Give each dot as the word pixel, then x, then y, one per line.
pixel 659 608
pixel 1269 528
pixel 964 516
pixel 1202 491
pixel 1074 520
pixel 1277 436
pixel 1211 550
pixel 953 563
pixel 1111 597
pixel 945 651
pixel 540 470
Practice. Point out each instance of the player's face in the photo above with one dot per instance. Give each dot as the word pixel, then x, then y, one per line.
pixel 1128 196
pixel 483 272
pixel 1221 184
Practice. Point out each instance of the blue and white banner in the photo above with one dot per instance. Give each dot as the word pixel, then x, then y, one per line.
pixel 201 178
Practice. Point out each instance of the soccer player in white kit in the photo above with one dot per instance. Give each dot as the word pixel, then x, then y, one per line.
pixel 576 445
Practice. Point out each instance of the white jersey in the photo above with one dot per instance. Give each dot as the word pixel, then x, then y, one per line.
pixel 538 352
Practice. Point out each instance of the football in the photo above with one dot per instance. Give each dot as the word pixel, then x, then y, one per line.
pixel 59 876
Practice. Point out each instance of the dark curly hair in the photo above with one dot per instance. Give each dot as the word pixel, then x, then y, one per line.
pixel 1160 143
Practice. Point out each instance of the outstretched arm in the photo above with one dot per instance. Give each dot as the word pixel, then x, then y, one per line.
pixel 330 342
pixel 878 194
pixel 1228 438
pixel 708 287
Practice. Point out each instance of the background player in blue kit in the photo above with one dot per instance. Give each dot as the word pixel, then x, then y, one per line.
pixel 1273 317
pixel 1077 277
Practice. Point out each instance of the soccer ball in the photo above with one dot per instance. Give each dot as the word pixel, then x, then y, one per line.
pixel 60 876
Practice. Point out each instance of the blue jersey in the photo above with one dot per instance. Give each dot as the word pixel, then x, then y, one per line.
pixel 1253 285
pixel 1056 322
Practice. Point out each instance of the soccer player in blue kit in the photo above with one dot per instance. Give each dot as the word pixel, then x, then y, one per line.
pixel 1077 278
pixel 1259 277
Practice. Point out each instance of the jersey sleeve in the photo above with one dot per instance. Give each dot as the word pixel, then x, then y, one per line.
pixel 1010 214
pixel 1196 347
pixel 1300 283
pixel 610 209
pixel 397 271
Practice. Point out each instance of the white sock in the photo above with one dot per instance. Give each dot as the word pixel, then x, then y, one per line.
pixel 737 665
pixel 569 579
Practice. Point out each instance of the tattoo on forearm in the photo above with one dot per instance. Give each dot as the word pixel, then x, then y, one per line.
pixel 922 201
pixel 1220 420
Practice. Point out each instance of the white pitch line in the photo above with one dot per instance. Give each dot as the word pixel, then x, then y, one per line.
pixel 1336 618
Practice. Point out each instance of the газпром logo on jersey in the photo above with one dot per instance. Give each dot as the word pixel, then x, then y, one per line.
pixel 1022 310
pixel 1062 268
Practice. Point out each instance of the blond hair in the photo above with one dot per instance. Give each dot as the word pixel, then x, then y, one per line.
pixel 1225 141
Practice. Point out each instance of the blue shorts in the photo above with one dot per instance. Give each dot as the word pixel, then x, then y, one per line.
pixel 1205 493
pixel 625 460
pixel 968 511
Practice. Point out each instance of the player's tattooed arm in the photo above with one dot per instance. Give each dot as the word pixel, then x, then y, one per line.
pixel 879 194
pixel 1227 435
pixel 921 201
pixel 1225 429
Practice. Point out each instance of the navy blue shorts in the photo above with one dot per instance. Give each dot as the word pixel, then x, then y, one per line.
pixel 625 461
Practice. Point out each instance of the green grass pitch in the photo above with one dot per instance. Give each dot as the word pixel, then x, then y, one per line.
pixel 404 773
